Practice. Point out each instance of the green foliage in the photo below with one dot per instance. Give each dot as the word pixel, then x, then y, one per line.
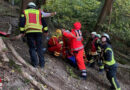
pixel 120 20
pixel 69 11
pixel 87 12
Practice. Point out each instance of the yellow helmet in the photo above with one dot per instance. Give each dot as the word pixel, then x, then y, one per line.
pixel 58 32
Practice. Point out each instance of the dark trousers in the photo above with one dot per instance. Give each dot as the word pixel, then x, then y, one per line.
pixel 111 76
pixel 35 42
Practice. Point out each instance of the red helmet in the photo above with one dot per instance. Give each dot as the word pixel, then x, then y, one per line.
pixel 77 25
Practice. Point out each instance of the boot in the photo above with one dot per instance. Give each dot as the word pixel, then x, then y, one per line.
pixel 84 74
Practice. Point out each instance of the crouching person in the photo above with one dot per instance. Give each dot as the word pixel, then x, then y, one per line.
pixel 67 54
pixel 75 37
pixel 109 62
pixel 55 43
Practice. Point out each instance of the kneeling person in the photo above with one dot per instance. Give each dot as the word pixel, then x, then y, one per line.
pixel 55 43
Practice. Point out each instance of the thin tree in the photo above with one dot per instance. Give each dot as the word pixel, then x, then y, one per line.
pixel 106 10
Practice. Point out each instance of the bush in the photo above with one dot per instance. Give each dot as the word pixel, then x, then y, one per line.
pixel 69 11
pixel 120 20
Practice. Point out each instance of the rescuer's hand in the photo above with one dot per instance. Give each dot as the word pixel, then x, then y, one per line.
pixel 54 13
pixel 46 34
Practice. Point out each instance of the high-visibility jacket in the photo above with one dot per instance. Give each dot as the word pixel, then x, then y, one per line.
pixel 53 41
pixel 75 37
pixel 54 45
pixel 108 56
pixel 33 20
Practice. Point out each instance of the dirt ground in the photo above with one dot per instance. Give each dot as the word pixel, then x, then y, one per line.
pixel 56 70
pixel 59 73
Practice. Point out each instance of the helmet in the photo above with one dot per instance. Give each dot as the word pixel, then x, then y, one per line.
pixel 98 35
pixel 94 33
pixel 58 32
pixel 77 25
pixel 31 4
pixel 106 35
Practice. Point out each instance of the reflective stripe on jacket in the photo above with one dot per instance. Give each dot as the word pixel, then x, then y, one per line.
pixel 75 37
pixel 109 57
pixel 33 20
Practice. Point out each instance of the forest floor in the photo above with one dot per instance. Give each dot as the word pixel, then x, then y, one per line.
pixel 56 71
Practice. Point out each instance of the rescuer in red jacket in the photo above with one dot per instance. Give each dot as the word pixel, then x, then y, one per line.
pixel 55 43
pixel 93 49
pixel 75 37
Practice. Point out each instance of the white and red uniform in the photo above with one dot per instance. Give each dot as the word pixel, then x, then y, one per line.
pixel 76 46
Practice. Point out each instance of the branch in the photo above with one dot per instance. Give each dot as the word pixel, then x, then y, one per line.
pixel 3 49
pixel 10 29
pixel 33 81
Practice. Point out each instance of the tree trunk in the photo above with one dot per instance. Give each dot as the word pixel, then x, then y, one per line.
pixel 105 11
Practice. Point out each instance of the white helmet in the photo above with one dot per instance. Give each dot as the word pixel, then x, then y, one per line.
pixel 98 35
pixel 106 35
pixel 94 33
pixel 31 4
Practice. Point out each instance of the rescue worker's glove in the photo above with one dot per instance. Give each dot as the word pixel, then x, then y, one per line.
pixel 45 34
pixel 54 13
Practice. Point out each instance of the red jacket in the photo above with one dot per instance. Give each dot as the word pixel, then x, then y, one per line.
pixel 93 48
pixel 75 37
pixel 53 41
pixel 54 45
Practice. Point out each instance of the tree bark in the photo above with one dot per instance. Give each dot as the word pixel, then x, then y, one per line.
pixel 105 12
